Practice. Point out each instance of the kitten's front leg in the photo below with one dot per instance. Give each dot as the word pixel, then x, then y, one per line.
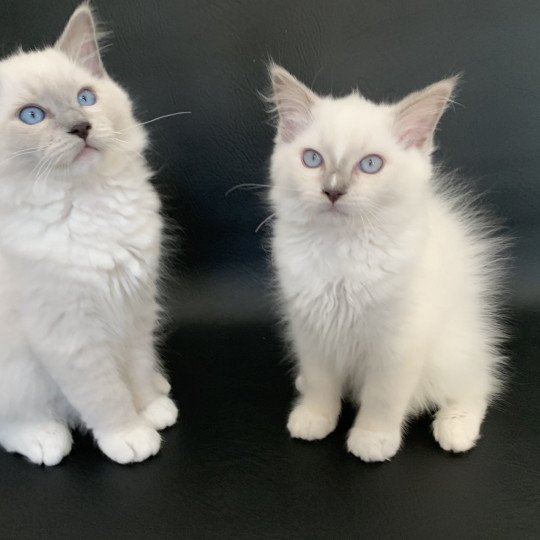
pixel 385 395
pixel 316 412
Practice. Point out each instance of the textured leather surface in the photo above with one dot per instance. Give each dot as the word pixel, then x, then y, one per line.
pixel 229 470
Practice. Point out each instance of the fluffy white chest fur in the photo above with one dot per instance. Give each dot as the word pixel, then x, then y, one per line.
pixel 343 285
pixel 93 243
pixel 388 283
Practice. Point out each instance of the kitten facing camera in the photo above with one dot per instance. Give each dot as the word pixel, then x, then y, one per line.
pixel 80 235
pixel 389 280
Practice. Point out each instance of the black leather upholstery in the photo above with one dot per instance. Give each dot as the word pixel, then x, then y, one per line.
pixel 228 469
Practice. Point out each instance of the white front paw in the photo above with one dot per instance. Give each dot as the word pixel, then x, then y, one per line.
pixel 45 443
pixel 456 432
pixel 161 413
pixel 129 445
pixel 373 445
pixel 309 424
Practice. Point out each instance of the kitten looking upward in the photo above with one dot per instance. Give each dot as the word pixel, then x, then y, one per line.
pixel 388 282
pixel 80 234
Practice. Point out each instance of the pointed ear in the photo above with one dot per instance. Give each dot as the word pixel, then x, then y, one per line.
pixel 79 40
pixel 418 114
pixel 293 102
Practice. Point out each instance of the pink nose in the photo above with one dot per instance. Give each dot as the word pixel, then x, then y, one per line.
pixel 333 195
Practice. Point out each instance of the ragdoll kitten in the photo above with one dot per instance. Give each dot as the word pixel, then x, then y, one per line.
pixel 388 282
pixel 80 232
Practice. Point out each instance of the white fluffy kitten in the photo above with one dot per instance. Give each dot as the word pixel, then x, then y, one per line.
pixel 80 234
pixel 388 283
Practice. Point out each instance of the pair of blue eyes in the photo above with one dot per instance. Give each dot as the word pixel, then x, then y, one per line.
pixel 370 164
pixel 34 115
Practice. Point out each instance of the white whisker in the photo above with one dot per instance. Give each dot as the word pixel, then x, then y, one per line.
pixel 262 223
pixel 124 149
pixel 257 186
pixel 155 120
pixel 24 152
pixel 246 186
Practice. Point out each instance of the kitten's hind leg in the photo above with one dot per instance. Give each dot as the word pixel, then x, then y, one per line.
pixel 150 389
pixel 43 443
pixel 161 383
pixel 149 386
pixel 463 380
pixel 316 412
pixel 457 426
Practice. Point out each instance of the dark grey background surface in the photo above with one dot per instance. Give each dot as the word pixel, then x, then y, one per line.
pixel 229 469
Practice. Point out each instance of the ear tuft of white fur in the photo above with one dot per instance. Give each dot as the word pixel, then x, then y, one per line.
pixel 419 113
pixel 293 102
pixel 80 40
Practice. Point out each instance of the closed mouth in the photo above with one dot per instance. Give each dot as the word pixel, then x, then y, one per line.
pixel 334 208
pixel 86 151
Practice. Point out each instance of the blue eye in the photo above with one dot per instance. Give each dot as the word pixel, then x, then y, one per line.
pixel 87 98
pixel 371 164
pixel 32 115
pixel 312 159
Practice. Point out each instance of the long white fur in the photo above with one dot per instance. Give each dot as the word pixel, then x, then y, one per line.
pixel 79 253
pixel 390 295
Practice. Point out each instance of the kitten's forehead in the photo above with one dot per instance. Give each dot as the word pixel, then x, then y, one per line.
pixel 32 74
pixel 351 124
